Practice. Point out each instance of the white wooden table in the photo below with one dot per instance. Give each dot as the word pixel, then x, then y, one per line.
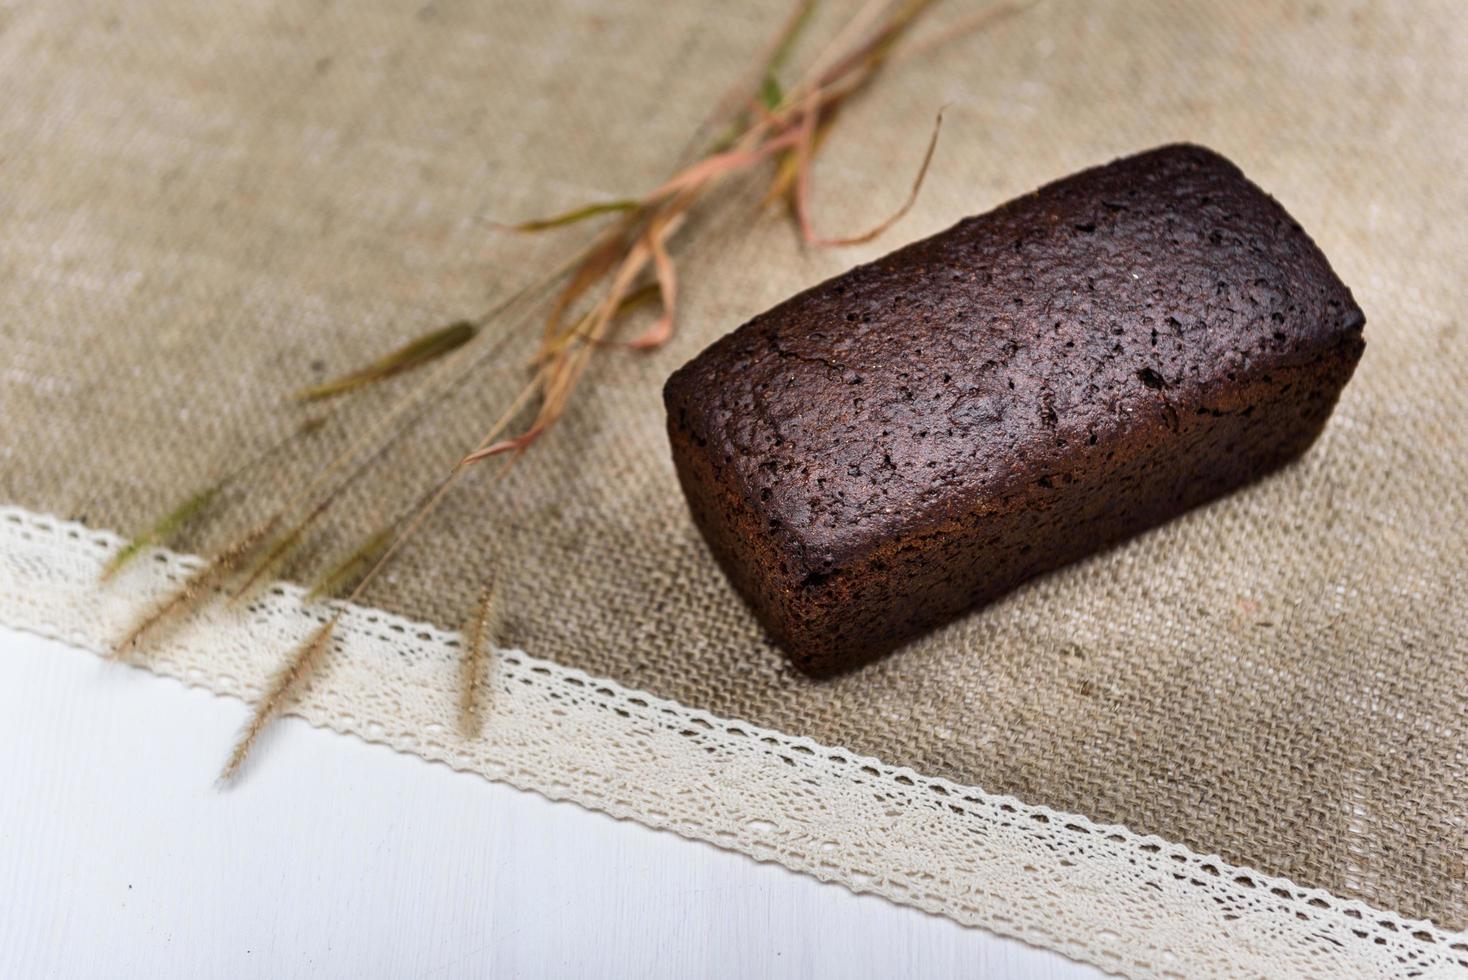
pixel 119 858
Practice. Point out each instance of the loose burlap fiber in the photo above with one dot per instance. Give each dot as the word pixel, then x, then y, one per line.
pixel 206 206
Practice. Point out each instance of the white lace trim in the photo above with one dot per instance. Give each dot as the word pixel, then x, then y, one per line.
pixel 1126 902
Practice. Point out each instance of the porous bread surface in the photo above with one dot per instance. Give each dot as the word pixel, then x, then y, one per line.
pixel 917 436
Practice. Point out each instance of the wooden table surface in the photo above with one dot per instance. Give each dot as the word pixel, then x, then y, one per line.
pixel 331 857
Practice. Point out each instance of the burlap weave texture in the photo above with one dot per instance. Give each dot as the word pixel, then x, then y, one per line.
pixel 203 207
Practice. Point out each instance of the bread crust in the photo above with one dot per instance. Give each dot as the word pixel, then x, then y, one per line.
pixel 919 435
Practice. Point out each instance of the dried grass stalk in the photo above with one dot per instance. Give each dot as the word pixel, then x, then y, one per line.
pixel 417 352
pixel 352 566
pixel 575 215
pixel 197 587
pixel 268 562
pixel 297 669
pixel 163 529
pixel 625 264
pixel 479 638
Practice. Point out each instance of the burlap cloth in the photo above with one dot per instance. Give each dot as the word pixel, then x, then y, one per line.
pixel 204 206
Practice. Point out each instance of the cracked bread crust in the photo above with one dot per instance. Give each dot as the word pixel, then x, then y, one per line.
pixel 917 436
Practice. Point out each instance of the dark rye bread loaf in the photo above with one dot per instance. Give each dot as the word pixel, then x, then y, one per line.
pixel 914 438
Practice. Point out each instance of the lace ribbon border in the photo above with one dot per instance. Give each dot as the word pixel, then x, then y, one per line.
pixel 1246 903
